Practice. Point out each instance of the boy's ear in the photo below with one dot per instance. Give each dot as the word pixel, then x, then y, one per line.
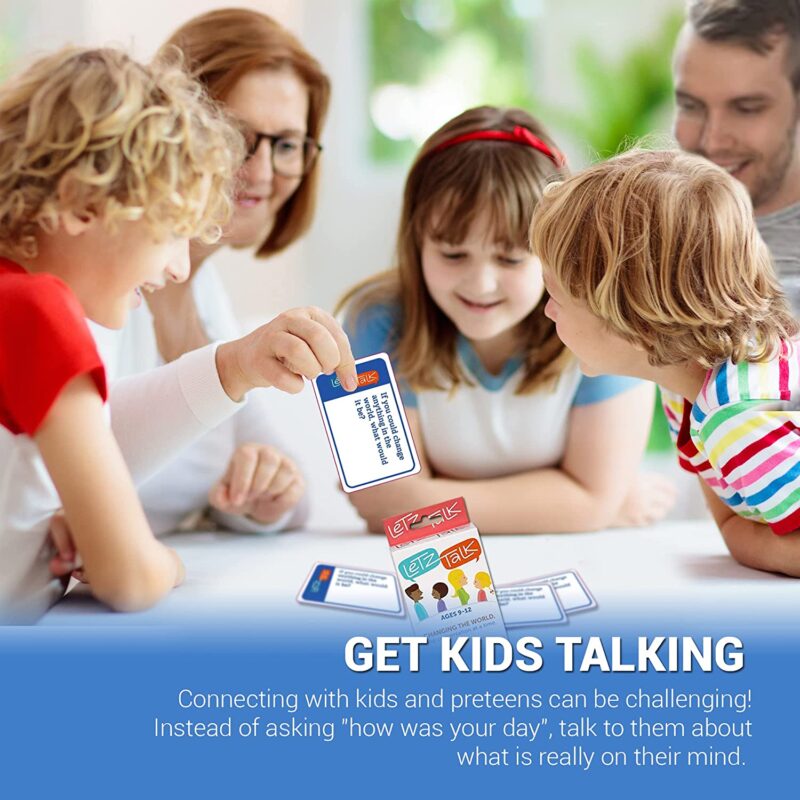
pixel 75 223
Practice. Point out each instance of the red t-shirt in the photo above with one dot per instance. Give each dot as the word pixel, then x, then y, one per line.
pixel 44 343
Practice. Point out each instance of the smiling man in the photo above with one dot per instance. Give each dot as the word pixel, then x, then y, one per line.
pixel 736 72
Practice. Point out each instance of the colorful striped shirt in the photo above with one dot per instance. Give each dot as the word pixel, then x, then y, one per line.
pixel 742 437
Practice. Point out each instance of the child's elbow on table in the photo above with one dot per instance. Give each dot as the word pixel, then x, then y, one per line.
pixel 139 587
pixel 754 545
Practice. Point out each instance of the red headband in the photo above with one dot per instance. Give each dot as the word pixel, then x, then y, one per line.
pixel 519 135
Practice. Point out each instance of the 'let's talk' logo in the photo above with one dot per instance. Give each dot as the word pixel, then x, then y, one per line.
pixel 364 379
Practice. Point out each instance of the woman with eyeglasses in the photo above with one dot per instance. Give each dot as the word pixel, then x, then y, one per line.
pixel 239 473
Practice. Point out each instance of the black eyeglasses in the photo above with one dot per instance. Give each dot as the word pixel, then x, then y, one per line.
pixel 292 155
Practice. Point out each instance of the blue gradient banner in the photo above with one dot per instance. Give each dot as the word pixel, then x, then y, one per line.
pixel 249 711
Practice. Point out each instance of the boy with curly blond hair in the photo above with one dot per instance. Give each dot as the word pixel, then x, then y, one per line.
pixel 655 269
pixel 107 169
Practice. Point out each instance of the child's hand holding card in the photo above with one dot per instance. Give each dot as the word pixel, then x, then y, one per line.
pixel 367 429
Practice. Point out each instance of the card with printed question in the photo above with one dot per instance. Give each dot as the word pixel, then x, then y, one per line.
pixel 367 428
pixel 572 592
pixel 530 604
pixel 352 589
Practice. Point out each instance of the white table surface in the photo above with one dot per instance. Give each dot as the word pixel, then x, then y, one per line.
pixel 678 568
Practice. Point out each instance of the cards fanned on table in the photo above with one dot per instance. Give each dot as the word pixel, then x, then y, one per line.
pixel 530 604
pixel 352 589
pixel 545 600
pixel 367 428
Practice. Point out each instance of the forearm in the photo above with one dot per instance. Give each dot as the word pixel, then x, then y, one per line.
pixel 156 414
pixel 144 582
pixel 754 545
pixel 126 567
pixel 538 501
pixel 231 374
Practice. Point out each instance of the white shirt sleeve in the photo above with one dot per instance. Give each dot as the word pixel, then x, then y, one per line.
pixel 175 425
pixel 181 487
pixel 156 413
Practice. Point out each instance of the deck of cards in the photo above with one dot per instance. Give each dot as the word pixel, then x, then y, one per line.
pixel 442 570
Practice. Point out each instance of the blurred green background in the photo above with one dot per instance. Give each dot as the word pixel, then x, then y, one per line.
pixel 430 59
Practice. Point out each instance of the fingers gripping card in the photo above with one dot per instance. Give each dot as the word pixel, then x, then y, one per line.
pixel 367 429
pixel 442 569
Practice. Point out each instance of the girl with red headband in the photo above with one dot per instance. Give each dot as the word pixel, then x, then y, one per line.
pixel 498 407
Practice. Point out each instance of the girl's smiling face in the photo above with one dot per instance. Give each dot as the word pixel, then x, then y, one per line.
pixel 484 287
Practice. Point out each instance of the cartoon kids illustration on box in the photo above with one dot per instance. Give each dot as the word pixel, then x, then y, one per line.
pixel 458 580
pixel 482 582
pixel 438 593
pixel 415 593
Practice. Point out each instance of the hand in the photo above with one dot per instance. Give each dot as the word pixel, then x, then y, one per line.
pixel 301 343
pixel 65 559
pixel 260 483
pixel 649 499
pixel 66 562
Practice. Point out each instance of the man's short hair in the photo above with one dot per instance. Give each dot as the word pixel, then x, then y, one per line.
pixel 751 23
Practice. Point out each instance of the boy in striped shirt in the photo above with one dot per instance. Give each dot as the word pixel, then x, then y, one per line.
pixel 655 269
